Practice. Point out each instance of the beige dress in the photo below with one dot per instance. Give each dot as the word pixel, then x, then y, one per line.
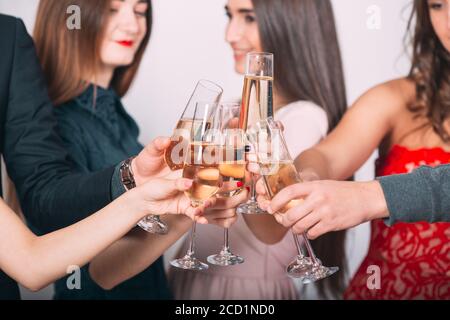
pixel 263 274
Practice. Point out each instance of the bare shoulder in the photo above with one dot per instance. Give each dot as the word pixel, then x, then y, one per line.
pixel 389 98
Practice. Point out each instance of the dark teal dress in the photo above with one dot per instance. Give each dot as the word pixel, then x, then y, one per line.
pixel 98 134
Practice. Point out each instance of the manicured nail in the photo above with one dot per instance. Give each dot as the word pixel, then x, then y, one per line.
pixel 240 184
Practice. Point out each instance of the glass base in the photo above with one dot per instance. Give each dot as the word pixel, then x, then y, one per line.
pixel 153 224
pixel 300 268
pixel 189 263
pixel 250 207
pixel 320 272
pixel 225 259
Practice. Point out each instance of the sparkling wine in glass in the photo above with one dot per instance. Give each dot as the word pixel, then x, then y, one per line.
pixel 205 91
pixel 256 105
pixel 174 155
pixel 201 164
pixel 278 172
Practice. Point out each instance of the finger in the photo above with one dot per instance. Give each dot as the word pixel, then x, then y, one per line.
pixel 228 203
pixel 163 189
pixel 158 146
pixel 306 223
pixel 199 212
pixel 211 202
pixel 260 187
pixel 316 231
pixel 172 174
pixel 295 191
pixel 253 168
pixel 231 186
pixel 263 202
pixel 201 220
pixel 220 214
pixel 280 125
pixel 278 217
pixel 297 213
pixel 225 223
pixel 181 184
pixel 308 176
pixel 192 212
pixel 151 160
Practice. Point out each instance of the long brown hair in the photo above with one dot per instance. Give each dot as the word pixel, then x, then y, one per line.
pixel 302 35
pixel 430 71
pixel 68 57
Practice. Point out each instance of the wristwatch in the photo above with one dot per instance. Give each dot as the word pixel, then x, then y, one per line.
pixel 126 174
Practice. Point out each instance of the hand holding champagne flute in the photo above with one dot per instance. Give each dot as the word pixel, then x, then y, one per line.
pixel 201 164
pixel 278 172
pixel 174 154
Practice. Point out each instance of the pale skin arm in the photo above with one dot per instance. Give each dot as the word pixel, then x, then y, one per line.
pixel 134 253
pixel 137 250
pixel 357 136
pixel 36 262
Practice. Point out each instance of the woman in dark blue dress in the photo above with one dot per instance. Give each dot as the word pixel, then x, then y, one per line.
pixel 88 71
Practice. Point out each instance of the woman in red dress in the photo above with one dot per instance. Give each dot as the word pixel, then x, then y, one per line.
pixel 408 119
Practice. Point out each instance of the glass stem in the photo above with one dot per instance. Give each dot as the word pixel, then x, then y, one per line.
pixel 297 244
pixel 252 188
pixel 310 249
pixel 226 241
pixel 191 249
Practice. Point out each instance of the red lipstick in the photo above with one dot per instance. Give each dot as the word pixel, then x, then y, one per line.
pixel 125 43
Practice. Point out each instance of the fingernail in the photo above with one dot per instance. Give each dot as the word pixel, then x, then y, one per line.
pixel 188 183
pixel 269 209
pixel 247 188
pixel 240 184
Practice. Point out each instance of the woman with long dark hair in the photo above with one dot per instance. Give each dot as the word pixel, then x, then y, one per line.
pixel 408 119
pixel 309 99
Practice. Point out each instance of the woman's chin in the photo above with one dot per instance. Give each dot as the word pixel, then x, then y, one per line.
pixel 239 68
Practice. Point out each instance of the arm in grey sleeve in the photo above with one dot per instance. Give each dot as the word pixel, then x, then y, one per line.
pixel 423 195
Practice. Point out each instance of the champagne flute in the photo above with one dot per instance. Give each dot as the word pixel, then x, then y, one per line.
pixel 231 168
pixel 278 172
pixel 257 105
pixel 205 91
pixel 201 164
pixel 174 155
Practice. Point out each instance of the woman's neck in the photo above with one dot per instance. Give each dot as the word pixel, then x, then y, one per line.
pixel 103 77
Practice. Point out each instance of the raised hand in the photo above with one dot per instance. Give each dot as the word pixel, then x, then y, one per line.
pixel 328 206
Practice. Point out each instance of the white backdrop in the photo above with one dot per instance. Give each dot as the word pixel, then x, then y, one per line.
pixel 188 44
